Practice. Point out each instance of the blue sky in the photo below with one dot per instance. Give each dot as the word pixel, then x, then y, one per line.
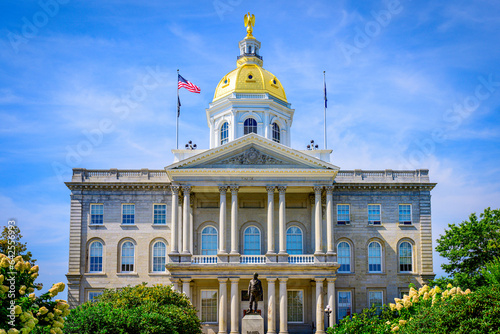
pixel 411 84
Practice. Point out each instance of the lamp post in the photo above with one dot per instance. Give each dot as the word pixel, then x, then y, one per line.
pixel 190 146
pixel 328 311
pixel 312 146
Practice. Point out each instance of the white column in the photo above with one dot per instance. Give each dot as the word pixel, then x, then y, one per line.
pixel 329 219
pixel 313 228
pixel 186 287
pixel 271 307
pixel 175 228
pixel 270 219
pixel 283 307
pixel 234 219
pixel 235 310
pixel 179 222
pixel 222 305
pixel 331 300
pixel 320 316
pixel 185 219
pixel 222 220
pixel 318 217
pixel 175 284
pixel 191 224
pixel 282 220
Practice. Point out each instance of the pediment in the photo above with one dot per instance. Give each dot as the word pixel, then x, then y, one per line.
pixel 252 152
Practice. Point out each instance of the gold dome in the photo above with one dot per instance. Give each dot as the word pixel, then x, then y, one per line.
pixel 249 78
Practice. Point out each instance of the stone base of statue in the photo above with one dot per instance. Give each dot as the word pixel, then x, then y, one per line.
pixel 252 323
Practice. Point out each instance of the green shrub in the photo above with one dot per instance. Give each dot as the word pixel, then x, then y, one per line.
pixel 431 311
pixel 20 310
pixel 138 309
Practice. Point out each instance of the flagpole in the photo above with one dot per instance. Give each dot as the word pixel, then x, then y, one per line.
pixel 324 85
pixel 177 113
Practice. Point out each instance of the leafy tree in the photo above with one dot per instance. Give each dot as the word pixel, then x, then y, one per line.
pixel 12 233
pixel 492 272
pixel 138 309
pixel 469 246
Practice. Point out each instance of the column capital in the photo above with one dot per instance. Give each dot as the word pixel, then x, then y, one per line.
pixel 270 189
pixel 318 190
pixel 223 190
pixel 271 279
pixel 329 189
pixel 186 189
pixel 186 280
pixel 234 279
pixel 234 188
pixel 283 279
pixel 331 279
pixel 222 279
pixel 319 279
pixel 281 189
pixel 175 189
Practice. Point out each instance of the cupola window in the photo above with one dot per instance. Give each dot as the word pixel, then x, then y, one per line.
pixel 250 76
pixel 250 126
pixel 276 132
pixel 224 133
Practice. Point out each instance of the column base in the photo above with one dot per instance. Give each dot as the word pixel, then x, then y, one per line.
pixel 222 258
pixel 185 258
pixel 319 332
pixel 174 257
pixel 234 257
pixel 283 258
pixel 319 257
pixel 271 258
pixel 331 257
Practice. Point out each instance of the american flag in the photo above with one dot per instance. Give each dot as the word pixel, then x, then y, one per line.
pixel 188 85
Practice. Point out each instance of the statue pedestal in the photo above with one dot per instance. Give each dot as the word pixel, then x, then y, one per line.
pixel 252 324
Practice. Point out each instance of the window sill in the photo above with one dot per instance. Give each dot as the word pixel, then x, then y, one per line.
pixel 97 225
pixel 342 224
pixel 345 273
pixel 380 273
pixel 159 225
pixel 129 225
pixel 96 274
pixel 127 274
pixel 158 274
pixel 375 225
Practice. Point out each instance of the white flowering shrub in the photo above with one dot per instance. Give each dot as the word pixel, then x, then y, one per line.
pixel 21 311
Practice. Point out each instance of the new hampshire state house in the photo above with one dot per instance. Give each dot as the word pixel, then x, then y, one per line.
pixel 316 234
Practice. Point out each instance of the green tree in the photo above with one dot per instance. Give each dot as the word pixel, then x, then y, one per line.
pixel 138 309
pixel 11 233
pixel 469 246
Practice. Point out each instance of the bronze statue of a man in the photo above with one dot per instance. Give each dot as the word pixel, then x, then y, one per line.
pixel 254 292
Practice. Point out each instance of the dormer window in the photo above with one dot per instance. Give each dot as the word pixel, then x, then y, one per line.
pixel 250 126
pixel 276 132
pixel 224 133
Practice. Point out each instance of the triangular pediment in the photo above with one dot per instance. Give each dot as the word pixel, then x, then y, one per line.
pixel 252 152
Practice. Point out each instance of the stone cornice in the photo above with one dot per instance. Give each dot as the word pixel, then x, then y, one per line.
pixel 383 186
pixel 117 186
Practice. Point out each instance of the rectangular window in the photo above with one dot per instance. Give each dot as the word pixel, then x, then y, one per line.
pixel 159 214
pixel 405 214
pixel 374 214
pixel 403 292
pixel 96 214
pixel 344 304
pixel 296 306
pixel 209 306
pixel 94 294
pixel 128 214
pixel 375 298
pixel 343 215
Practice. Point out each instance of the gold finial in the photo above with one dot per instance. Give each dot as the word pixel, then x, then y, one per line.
pixel 249 23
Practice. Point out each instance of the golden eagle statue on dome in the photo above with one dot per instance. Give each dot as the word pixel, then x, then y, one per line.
pixel 249 23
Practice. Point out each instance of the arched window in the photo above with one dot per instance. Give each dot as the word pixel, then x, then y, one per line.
pixel 95 263
pixel 251 241
pixel 374 257
pixel 209 241
pixel 224 133
pixel 276 132
pixel 127 257
pixel 344 257
pixel 159 256
pixel 294 240
pixel 405 257
pixel 250 126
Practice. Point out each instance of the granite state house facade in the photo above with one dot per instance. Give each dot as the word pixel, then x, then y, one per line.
pixel 316 234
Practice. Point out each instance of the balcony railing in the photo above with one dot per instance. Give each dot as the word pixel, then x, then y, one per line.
pixel 253 259
pixel 298 259
pixel 204 259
